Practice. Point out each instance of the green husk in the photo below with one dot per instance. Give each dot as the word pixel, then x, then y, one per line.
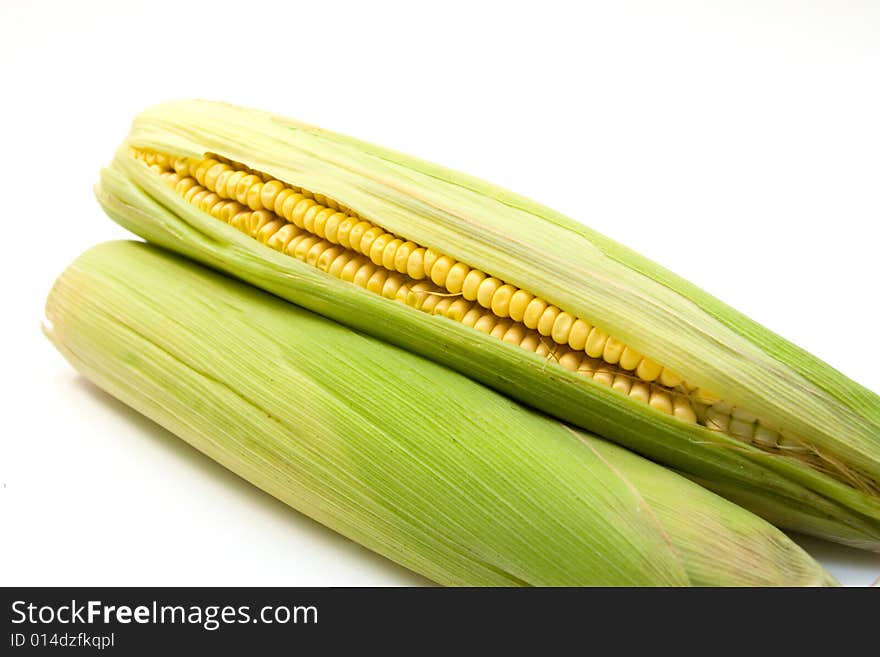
pixel 526 244
pixel 409 458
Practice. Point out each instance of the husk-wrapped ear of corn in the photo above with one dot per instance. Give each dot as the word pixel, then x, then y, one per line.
pixel 513 295
pixel 409 458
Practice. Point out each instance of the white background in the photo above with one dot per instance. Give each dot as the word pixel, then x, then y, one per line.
pixel 737 143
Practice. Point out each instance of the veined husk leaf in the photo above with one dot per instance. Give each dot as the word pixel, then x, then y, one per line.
pixel 531 246
pixel 407 457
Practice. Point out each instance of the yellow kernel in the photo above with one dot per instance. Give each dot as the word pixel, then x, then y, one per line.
pixel 548 317
pixel 328 257
pixel 517 306
pixel 670 379
pixel 299 210
pixel 314 253
pixel 331 227
pixel 501 300
pixel 243 187
pixel 472 316
pixel 293 244
pixel 418 294
pixel 455 277
pixel 392 286
pixel 238 221
pixel 268 193
pixel 577 336
pixel 533 312
pixel 181 166
pixel 321 221
pixel 612 351
pixel 280 198
pixel 458 309
pixel 542 348
pixel 208 201
pixel 661 401
pixel 343 232
pixel 401 257
pixel 377 248
pixel 471 284
pixel 570 360
pixel 308 217
pixel 415 264
pixel 530 341
pixel 289 208
pixel 230 208
pixel 184 185
pixel 515 334
pixel 266 232
pixel 487 290
pixel 339 262
pixel 428 301
pixel 403 294
pixel 595 343
pixel 390 252
pixel 629 359
pixel 682 409
pixel 640 391
pixel 221 183
pixel 254 196
pixel 202 168
pixel 430 258
pixel 199 193
pixel 648 370
pixel 351 268
pixel 562 328
pixel 368 238
pixel 363 274
pixel 587 367
pixel 605 376
pixel 442 306
pixel 193 191
pixel 259 218
pixel 500 329
pixel 486 323
pixel 304 245
pixel 440 269
pixel 356 234
pixel 279 240
pixel 377 280
pixel 212 174
pixel 622 383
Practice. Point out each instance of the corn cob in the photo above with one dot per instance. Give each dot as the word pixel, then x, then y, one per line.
pixel 513 295
pixel 409 458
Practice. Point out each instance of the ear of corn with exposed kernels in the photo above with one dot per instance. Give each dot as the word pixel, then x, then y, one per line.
pixel 409 458
pixel 512 294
